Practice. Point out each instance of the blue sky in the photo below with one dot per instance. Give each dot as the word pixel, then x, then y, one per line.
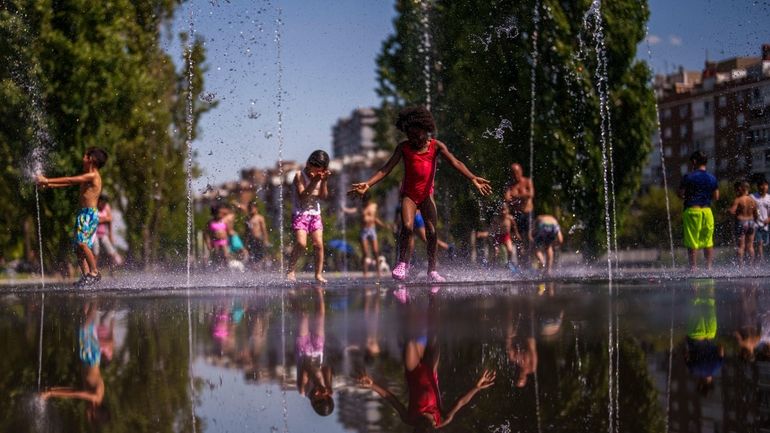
pixel 328 54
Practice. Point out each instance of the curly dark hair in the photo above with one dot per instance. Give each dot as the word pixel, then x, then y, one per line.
pixel 418 117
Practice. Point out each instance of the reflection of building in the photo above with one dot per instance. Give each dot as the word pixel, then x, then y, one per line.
pixel 723 111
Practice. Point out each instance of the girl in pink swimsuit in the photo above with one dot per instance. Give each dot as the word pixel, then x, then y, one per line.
pixel 420 154
pixel 217 235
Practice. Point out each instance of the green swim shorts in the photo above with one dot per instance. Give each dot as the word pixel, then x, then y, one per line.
pixel 698 225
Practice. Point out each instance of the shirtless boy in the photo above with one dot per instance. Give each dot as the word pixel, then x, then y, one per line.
pixel 369 242
pixel 746 212
pixel 87 218
pixel 520 198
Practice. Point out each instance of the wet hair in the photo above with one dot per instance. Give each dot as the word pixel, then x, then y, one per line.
pixel 319 159
pixel 104 198
pixel 366 198
pixel 98 156
pixel 253 205
pixel 323 406
pixel 699 158
pixel 418 117
pixel 759 179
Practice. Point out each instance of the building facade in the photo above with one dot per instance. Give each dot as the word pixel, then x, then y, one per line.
pixel 723 111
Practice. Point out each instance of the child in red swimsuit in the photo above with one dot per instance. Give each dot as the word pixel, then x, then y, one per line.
pixel 420 154
pixel 421 355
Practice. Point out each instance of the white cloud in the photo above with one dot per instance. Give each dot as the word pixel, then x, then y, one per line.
pixel 675 40
pixel 653 39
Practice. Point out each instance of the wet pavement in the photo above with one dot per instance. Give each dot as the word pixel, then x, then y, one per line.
pixel 679 356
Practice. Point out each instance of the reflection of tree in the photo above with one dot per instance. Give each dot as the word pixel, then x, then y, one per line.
pixel 147 380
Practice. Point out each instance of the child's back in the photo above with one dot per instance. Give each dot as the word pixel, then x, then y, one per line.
pixel 746 208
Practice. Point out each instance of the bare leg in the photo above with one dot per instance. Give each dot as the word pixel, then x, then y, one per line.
pixel 429 214
pixel 750 248
pixel 548 259
pixel 300 244
pixel 89 256
pixel 406 243
pixel 82 263
pixel 376 254
pixel 709 253
pixel 318 245
pixel 365 250
pixel 692 257
pixel 741 243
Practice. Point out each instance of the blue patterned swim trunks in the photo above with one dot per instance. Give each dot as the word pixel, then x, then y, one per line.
pixel 86 222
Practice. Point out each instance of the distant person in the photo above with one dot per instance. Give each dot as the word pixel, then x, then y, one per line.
pixel 420 153
pixel 310 187
pixel 545 235
pixel 762 234
pixel 257 238
pixel 87 218
pixel 216 236
pixel 502 226
pixel 104 233
pixel 369 243
pixel 234 242
pixel 418 232
pixel 744 209
pixel 424 410
pixel 520 197
pixel 698 189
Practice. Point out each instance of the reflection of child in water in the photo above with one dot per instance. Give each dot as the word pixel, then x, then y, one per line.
pixel 421 357
pixel 90 354
pixel 314 377
pixel 702 354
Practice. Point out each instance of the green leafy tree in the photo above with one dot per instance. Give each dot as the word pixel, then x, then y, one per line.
pixel 480 61
pixel 95 74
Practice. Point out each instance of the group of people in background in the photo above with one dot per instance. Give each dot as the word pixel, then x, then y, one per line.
pixel 750 214
pixel 420 152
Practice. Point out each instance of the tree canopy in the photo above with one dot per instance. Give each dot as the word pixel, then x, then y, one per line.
pixel 79 74
pixel 480 61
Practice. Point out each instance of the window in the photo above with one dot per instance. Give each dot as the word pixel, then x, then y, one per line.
pixel 667 132
pixel 707 108
pixel 740 140
pixel 741 119
pixel 767 156
pixel 684 150
pixel 668 151
pixel 723 122
pixel 683 169
pixel 723 101
pixel 684 110
pixel 667 113
pixel 698 144
pixel 683 130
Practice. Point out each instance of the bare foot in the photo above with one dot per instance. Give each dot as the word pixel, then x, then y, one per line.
pixel 291 276
pixel 320 278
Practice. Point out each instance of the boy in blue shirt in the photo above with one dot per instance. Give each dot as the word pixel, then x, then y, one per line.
pixel 698 189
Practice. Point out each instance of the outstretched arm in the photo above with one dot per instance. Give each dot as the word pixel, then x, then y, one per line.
pixel 59 182
pixel 366 382
pixel 380 174
pixel 480 183
pixel 486 380
pixel 95 396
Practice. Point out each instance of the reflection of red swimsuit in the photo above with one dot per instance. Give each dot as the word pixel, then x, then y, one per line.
pixel 424 395
pixel 419 171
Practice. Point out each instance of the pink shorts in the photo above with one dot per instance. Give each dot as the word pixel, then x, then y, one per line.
pixel 305 222
pixel 310 345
